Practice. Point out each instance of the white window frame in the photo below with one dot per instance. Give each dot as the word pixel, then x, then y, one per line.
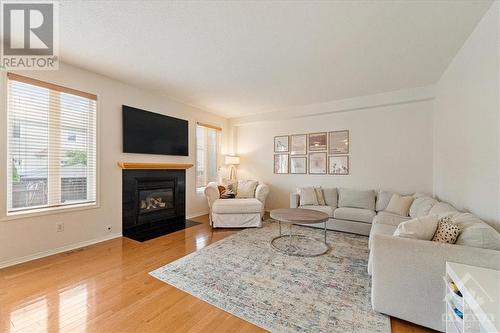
pixel 8 216
pixel 219 146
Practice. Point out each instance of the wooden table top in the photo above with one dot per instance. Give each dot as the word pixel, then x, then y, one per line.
pixel 298 215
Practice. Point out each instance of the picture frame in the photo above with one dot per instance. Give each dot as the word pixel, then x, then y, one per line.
pixel 281 163
pixel 281 143
pixel 318 163
pixel 298 144
pixel 338 165
pixel 338 142
pixel 317 141
pixel 298 165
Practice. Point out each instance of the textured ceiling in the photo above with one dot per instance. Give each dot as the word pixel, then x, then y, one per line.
pixel 240 58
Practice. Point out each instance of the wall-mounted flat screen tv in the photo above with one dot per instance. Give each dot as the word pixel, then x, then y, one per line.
pixel 153 133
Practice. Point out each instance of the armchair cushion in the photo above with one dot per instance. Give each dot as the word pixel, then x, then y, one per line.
pixel 246 189
pixel 237 206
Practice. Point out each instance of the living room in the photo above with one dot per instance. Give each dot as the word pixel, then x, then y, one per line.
pixel 250 166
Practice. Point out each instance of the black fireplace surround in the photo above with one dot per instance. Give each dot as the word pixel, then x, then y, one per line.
pixel 153 203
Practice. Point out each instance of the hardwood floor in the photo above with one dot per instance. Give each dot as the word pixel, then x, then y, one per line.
pixel 106 288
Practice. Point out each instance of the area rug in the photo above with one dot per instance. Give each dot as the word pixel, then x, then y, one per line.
pixel 243 275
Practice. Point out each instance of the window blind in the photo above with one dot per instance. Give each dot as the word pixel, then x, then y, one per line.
pixel 207 153
pixel 51 145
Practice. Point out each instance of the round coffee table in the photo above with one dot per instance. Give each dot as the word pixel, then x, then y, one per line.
pixel 298 245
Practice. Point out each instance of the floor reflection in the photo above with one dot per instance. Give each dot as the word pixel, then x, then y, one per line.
pixel 201 242
pixel 73 308
pixel 31 317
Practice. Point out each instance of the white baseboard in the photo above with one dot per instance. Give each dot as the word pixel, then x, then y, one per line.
pixel 190 216
pixel 12 262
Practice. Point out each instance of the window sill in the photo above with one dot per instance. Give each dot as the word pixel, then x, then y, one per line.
pixel 48 211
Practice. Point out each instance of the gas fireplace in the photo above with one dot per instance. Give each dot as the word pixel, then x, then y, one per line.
pixel 153 202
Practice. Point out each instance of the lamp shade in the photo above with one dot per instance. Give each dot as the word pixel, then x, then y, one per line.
pixel 232 160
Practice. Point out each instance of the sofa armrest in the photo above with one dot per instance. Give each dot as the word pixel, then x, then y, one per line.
pixel 211 193
pixel 261 193
pixel 294 200
pixel 406 269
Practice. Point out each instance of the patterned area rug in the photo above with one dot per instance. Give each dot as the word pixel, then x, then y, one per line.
pixel 242 275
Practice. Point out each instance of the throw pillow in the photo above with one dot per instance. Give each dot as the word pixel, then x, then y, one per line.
pixel 319 196
pixel 246 189
pixel 446 232
pixel 383 198
pixel 308 196
pixel 475 232
pixel 421 206
pixel 419 228
pixel 222 189
pixel 356 198
pixel 330 195
pixel 399 205
pixel 231 186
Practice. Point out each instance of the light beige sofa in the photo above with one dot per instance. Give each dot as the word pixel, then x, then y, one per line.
pixel 237 212
pixel 349 210
pixel 407 274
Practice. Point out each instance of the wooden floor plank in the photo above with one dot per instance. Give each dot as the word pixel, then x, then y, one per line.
pixel 106 288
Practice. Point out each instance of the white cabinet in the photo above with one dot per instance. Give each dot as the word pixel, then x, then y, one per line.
pixel 472 299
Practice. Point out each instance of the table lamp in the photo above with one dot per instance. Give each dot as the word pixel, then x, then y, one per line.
pixel 232 161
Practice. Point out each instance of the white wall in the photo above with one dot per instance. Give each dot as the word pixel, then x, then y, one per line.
pixel 391 148
pixel 466 118
pixel 25 238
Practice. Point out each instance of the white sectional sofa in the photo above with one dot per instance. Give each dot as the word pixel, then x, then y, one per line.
pixel 407 274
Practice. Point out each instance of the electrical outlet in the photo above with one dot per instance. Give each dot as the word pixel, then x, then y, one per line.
pixel 60 227
pixel 108 228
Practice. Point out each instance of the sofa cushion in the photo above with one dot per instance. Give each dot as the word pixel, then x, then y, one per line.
pixel 421 206
pixel 320 196
pixel 383 198
pixel 442 207
pixel 399 205
pixel 324 209
pixel 308 196
pixel 354 214
pixel 330 195
pixel 380 229
pixel 356 198
pixel 475 232
pixel 237 206
pixel 418 228
pixel 246 188
pixel 389 219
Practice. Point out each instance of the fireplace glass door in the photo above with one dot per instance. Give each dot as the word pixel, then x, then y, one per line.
pixel 155 200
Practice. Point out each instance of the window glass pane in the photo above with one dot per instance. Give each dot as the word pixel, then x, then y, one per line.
pixel 51 147
pixel 200 156
pixel 73 152
pixel 207 153
pixel 28 145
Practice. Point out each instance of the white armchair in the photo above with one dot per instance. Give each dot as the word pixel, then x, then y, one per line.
pixel 236 213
